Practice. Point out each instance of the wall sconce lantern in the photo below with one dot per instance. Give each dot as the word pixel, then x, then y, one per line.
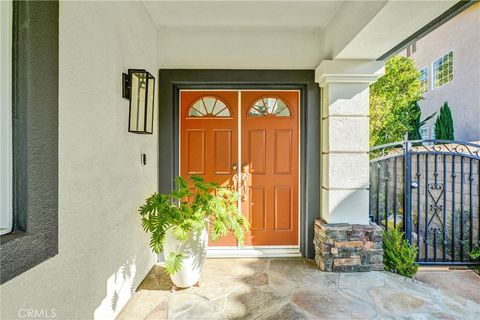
pixel 139 88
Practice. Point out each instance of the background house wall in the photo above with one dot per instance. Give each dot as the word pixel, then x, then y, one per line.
pixel 103 251
pixel 462 35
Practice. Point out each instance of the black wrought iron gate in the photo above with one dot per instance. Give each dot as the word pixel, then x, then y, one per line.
pixel 429 189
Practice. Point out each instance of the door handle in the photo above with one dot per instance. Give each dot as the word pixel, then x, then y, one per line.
pixel 244 186
pixel 235 183
pixel 235 177
pixel 244 179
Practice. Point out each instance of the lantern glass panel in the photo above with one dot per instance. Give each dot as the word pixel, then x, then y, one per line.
pixel 150 100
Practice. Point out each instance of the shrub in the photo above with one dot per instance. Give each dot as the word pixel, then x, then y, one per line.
pixel 444 124
pixel 399 256
pixel 475 253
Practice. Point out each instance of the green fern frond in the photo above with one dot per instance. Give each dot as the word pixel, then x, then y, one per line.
pixel 173 262
pixel 157 239
pixel 179 233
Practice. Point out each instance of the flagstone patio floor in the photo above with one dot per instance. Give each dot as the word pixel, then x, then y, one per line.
pixel 293 288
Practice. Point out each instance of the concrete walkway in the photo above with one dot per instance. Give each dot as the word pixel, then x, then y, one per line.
pixel 294 289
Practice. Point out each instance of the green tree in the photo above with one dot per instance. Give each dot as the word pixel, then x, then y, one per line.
pixel 414 134
pixel 444 124
pixel 392 101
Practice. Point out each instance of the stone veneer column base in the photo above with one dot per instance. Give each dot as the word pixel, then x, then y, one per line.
pixel 343 247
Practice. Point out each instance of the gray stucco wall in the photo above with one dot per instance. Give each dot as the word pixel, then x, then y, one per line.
pixel 35 139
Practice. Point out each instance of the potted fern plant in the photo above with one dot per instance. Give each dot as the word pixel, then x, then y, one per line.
pixel 179 222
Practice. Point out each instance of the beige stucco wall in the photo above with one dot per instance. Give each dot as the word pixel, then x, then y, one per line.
pixel 103 252
pixel 462 35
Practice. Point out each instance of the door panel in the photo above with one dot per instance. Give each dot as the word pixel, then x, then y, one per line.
pixel 196 151
pixel 223 151
pixel 209 139
pixel 283 151
pixel 257 208
pixel 270 155
pixel 257 147
pixel 283 208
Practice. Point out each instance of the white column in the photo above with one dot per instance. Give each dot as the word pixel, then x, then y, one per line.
pixel 345 136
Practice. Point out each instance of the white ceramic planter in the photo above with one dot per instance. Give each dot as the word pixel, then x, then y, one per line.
pixel 195 252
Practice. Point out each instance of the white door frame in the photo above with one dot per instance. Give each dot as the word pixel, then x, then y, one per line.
pixel 249 251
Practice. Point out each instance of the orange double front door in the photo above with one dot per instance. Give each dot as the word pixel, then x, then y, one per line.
pixel 247 140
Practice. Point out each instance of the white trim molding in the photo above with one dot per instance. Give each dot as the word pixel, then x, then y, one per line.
pixel 348 71
pixel 254 252
pixel 6 211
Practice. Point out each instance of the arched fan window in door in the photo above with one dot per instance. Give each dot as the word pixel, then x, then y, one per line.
pixel 209 107
pixel 269 106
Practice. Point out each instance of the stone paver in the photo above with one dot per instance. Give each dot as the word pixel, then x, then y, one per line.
pixel 294 288
pixel 361 280
pixel 449 280
pixel 331 304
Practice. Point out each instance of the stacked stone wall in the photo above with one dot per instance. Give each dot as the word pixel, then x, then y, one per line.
pixel 348 247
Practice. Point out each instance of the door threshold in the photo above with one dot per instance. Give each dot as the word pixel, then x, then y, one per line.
pixel 254 252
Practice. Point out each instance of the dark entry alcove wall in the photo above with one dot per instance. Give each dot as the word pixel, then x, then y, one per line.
pixel 171 81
